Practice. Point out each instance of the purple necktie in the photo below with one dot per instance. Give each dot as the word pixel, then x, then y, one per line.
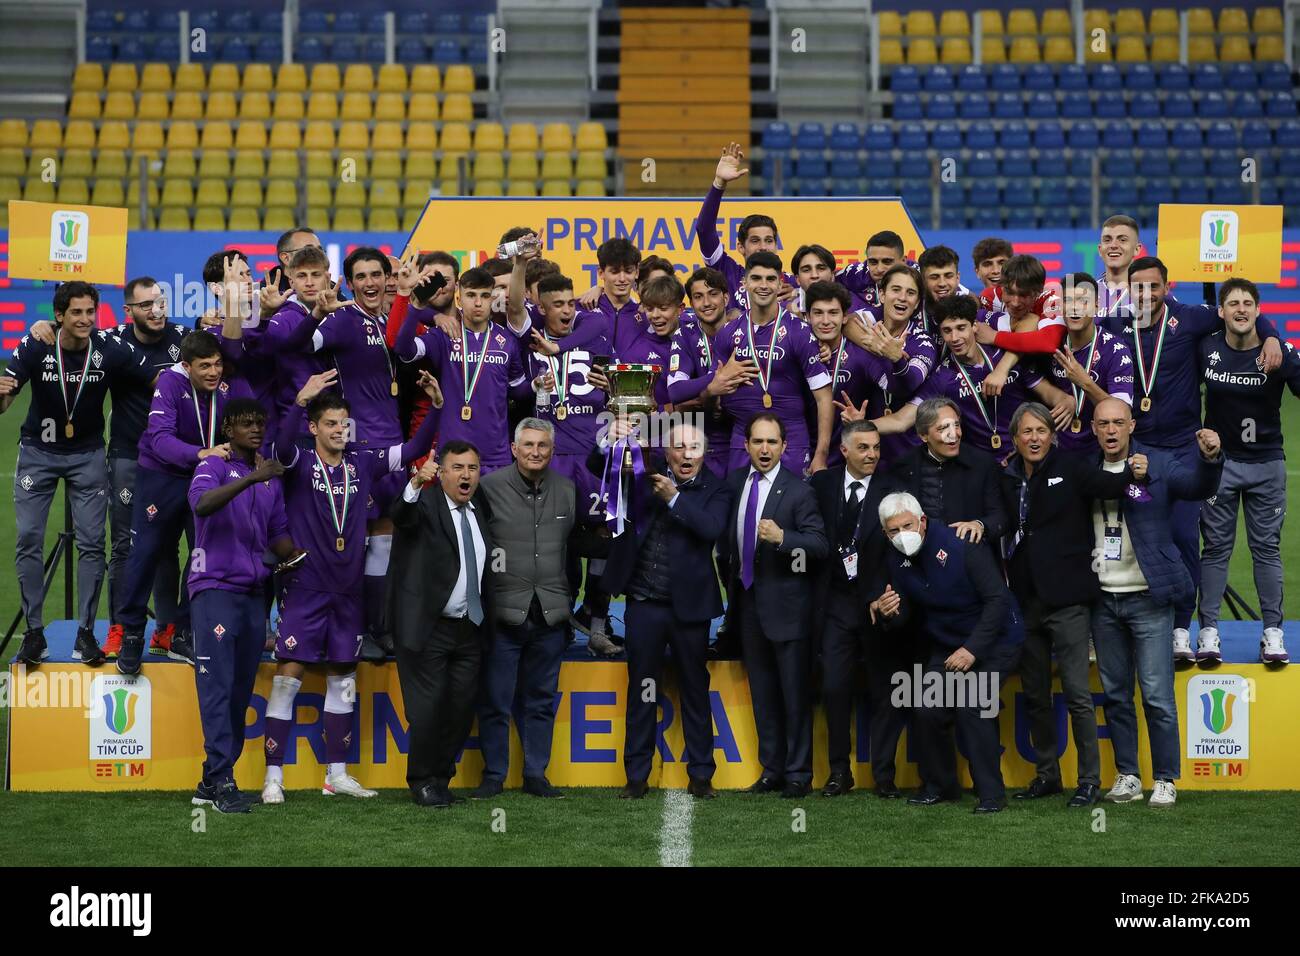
pixel 750 533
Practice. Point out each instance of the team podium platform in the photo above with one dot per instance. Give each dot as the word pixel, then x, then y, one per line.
pixel 73 727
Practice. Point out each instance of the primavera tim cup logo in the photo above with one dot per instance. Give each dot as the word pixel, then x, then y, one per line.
pixel 69 236
pixel 1220 232
pixel 119 710
pixel 1218 726
pixel 121 727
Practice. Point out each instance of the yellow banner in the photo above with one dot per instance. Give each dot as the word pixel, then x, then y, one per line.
pixel 572 229
pixel 72 728
pixel 62 243
pixel 1215 243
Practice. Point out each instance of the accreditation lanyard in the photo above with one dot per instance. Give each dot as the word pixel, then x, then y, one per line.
pixel 1112 534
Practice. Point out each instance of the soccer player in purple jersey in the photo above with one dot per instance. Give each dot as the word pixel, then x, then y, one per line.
pixel 789 370
pixel 884 251
pixel 1118 246
pixel 851 366
pixel 940 269
pixel 323 604
pixel 230 282
pixel 707 292
pixel 480 371
pixel 986 420
pixel 238 510
pixel 989 256
pixel 1091 366
pixel 815 264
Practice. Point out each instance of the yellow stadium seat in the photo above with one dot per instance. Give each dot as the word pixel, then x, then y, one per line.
pixel 920 23
pixel 321 165
pixel 991 23
pixel 356 106
pixel 147 137
pixel 325 78
pixel 459 78
pixel 410 217
pixel 1235 49
pixel 107 192
pixel 390 106
pixel 220 106
pixel 245 219
pixel 119 105
pixel 88 77
pixel 1130 49
pixel 78 134
pixel 1094 19
pixel 13 132
pixel 318 217
pixel 133 193
pixel 1269 49
pixel 182 134
pixel 416 192
pixel 449 165
pixel 1267 20
pixel 250 136
pixel 209 219
pixel 190 78
pixel 283 164
pixel 111 135
pixel 281 192
pixel 122 78
pixel 1056 22
pixel 358 78
pixel 889 24
pixel 348 194
pixel 319 193
pixel 557 136
pixel 1022 23
pixel 1164 49
pixel 1163 20
pixel 211 192
pixel 489 136
pixel 10 189
pixel 556 166
pixel 46 134
pixel 387 135
pixel 257 78
pixel 319 135
pixel 488 187
pixel 1200 20
pixel 954 23
pixel 522 166
pixel 891 53
pixel 425 78
pixel 457 108
pixel 1129 20
pixel 278 218
pixel 177 192
pixel 223 78
pixel 419 165
pixel 76 162
pixel 285 135
pixel 523 136
pixel 40 161
pixel 590 136
pixel 956 51
pixel 349 220
pixel 73 190
pixel 391 78
pixel 215 164
pixel 185 106
pixel 1092 54
pixel 590 187
pixel 354 136
pixel 489 166
pixel 385 194
pixel 1200 49
pixel 1058 50
pixel 353 167
pixel 455 137
pixel 133 218
pixel 421 136
pixel 110 163
pixel 179 165
pixel 386 165
pixel 171 219
pixel 291 78
pixel 154 106
pixel 288 106
pixel 921 51
pixel 84 105
pixel 38 190
pixel 591 165
pixel 255 106
pixel 1024 50
pixel 156 78
pixel 556 187
pixel 423 107
pixel 246 192
pixel 382 220
pixel 216 135
pixel 992 50
pixel 521 188
pixel 11 162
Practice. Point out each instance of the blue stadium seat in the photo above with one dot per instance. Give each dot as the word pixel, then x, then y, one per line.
pixel 129 48
pixel 1256 135
pixel 1186 136
pixel 1291 194
pixel 1269 195
pixel 171 20
pixel 1144 106
pixel 881 187
pixel 905 79
pixel 972 79
pixel 916 197
pixel 846 187
pixel 975 106
pixel 1039 78
pixel 1015 135
pixel 1274 76
pixel 1225 166
pixel 981 135
pixel 1008 106
pixel 1230 192
pixel 413 21
pixel 1083 135
pixel 1004 78
pixel 167 49
pixel 446 51
pixel 312 21
pixel 1119 164
pixel 1016 164
pixel 844 136
pixel 1073 77
pixel 311 50
pixel 879 137
pixel 235 50
pixel 268 50
pixel 1192 193
pixel 1110 105
pixel 1241 77
pixel 911 136
pixel 1018 196
pixel 136 21
pixel 1173 76
pixel 1021 219
pixel 1247 106
pixel 981 165
pixel 982 196
pixel 1079 195
pixel 375 50
pixel 937 79
pixel 345 49
pixel 845 166
pixel 477 23
pixel 941 107
pixel 987 220
pixel 1050 163
pixel 1049 135
pixel 1139 76
pixel 946 136
pixel 99 21
pixel 907 106
pixel 1213 106
pixel 918 170
pixel 1079 165
pixel 952 217
pixel 1106 77
pixel 810 136
pixel 1152 135
pixel 373 23
pixel 1280 104
pixel 1190 163
pixel 809 187
pixel 1042 106
pixel 1119 195
pixel 1221 136
pixel 953 195
pixel 238 21
pixel 447 23
pixel 1179 106
pixel 1206 76
pixel 1117 135
pixel 810 167
pixel 1155 163
pixel 210 20
pixel 880 165
pixel 776 137
pixel 412 50
pixel 347 21
pixel 99 49
pixel 270 22
pixel 1076 105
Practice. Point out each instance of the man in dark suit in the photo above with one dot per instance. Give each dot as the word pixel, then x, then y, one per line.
pixel 851 577
pixel 957 485
pixel 775 534
pixel 665 567
pixel 439 607
pixel 1048 548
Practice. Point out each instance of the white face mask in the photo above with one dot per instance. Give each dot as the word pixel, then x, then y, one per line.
pixel 908 542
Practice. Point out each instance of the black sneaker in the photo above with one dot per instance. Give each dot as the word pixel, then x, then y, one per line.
pixel 128 661
pixel 541 787
pixel 370 652
pixel 204 794
pixel 87 649
pixel 486 790
pixel 33 649
pixel 228 799
pixel 182 648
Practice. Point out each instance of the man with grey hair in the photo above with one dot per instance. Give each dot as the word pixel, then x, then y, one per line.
pixel 954 591
pixel 531 513
pixel 1049 493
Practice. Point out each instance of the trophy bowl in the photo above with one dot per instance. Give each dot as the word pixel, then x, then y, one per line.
pixel 632 389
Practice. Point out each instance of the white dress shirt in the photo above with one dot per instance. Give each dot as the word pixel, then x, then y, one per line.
pixel 849 481
pixel 764 487
pixel 458 603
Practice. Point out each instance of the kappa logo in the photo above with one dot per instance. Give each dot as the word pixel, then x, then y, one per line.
pixel 124 496
pixel 48 360
pixel 1125 360
pixel 1214 358
pixel 233 473
pixel 907 563
pixel 151 511
pixel 1211 500
pixel 25 482
pixel 653 355
pixel 942 557
pixel 174 352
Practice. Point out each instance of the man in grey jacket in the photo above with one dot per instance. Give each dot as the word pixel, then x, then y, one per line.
pixel 532 512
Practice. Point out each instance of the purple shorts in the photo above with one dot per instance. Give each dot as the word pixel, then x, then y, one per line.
pixel 320 626
pixel 591 509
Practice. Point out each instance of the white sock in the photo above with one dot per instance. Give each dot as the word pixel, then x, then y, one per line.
pixel 275 775
pixel 335 769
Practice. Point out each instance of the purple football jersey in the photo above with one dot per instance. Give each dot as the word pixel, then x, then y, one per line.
pixel 366 370
pixel 288 336
pixel 948 382
pixel 233 538
pixel 183 421
pixel 853 372
pixel 575 433
pixel 1111 367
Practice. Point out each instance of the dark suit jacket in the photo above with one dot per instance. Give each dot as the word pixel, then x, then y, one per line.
pixel 693 526
pixel 828 486
pixel 971 493
pixel 783 580
pixel 425 563
pixel 1054 557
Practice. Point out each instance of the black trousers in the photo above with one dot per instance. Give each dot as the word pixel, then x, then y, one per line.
pixel 779 689
pixel 1066 631
pixel 652 627
pixel 439 688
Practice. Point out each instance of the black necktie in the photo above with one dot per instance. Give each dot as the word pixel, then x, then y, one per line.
pixel 851 512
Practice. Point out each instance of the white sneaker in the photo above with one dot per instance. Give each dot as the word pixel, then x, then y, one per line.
pixel 343 783
pixel 1271 648
pixel 1163 795
pixel 272 792
pixel 1183 645
pixel 1207 645
pixel 1128 787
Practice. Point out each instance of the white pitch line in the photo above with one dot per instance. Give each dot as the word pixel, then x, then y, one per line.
pixel 675 834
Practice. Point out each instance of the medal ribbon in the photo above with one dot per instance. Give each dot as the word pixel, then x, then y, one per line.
pixel 63 390
pixel 208 439
pixel 764 374
pixel 1087 367
pixel 339 515
pixel 471 382
pixel 1148 381
pixel 559 366
pixel 975 392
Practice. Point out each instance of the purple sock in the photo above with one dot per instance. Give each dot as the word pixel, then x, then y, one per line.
pixel 277 735
pixel 338 737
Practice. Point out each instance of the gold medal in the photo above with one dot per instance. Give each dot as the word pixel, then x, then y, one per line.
pixel 1076 426
pixel 393 388
pixel 561 413
pixel 338 544
pixel 67 430
pixel 1145 404
pixel 995 441
pixel 767 400
pixel 465 413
